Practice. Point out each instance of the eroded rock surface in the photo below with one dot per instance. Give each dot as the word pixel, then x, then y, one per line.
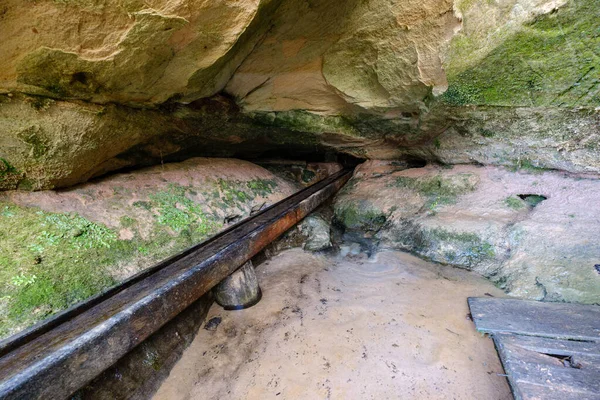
pixel 454 81
pixel 534 233
pixel 129 52
pixel 60 247
pixel 47 143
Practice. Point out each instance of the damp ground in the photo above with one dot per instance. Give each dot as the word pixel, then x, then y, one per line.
pixel 333 327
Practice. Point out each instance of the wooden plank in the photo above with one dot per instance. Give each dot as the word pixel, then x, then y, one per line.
pixel 536 392
pixel 587 354
pixel 537 376
pixel 534 318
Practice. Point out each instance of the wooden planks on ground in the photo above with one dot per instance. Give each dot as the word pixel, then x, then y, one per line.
pixel 534 318
pixel 549 351
pixel 536 372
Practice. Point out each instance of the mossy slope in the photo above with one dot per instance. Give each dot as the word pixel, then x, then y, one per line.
pixel 50 260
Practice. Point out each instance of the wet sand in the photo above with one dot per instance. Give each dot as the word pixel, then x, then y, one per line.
pixel 394 327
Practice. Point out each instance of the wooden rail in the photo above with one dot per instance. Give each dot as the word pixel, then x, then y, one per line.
pixel 55 358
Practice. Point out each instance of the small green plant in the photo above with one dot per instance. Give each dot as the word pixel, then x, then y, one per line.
pixel 438 189
pixel 231 194
pixel 262 187
pixel 23 280
pixel 179 212
pixel 515 203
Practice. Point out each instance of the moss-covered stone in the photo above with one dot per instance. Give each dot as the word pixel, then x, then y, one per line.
pixel 462 249
pixel 550 61
pixel 439 189
pixel 515 203
pixel 304 121
pixel 359 216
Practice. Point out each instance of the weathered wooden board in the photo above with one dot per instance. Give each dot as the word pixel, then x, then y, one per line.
pixel 534 318
pixel 589 351
pixel 536 372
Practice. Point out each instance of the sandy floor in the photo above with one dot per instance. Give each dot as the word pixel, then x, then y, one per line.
pixel 346 328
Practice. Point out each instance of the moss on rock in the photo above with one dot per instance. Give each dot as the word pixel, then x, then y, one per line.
pixel 550 61
pixel 439 189
pixel 462 249
pixel 55 252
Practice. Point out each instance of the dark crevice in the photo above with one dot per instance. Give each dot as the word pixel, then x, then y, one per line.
pixel 567 361
pixel 532 199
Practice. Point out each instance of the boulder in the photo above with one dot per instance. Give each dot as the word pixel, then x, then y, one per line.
pixel 316 229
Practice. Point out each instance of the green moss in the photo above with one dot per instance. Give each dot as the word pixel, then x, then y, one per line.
pixel 127 222
pixel 468 249
pixel 551 61
pixel 459 95
pixel 49 262
pixel 143 204
pixel 26 184
pixel 515 203
pixel 304 121
pixel 360 216
pixel 262 187
pixel 526 165
pixel 6 168
pixel 438 189
pixel 231 194
pixel 35 138
pixel 179 212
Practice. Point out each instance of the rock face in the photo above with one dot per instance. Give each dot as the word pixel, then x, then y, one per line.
pixel 47 143
pixel 533 233
pixel 58 248
pixel 128 52
pixel 506 82
pixel 417 78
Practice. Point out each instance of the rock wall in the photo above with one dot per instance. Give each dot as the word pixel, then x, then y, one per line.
pixel 466 81
pixel 127 51
pixel 531 232
pixel 47 143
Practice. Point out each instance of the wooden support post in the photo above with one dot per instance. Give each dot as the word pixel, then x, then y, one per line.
pixel 239 290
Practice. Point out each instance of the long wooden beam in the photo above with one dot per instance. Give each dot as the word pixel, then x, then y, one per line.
pixel 56 358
